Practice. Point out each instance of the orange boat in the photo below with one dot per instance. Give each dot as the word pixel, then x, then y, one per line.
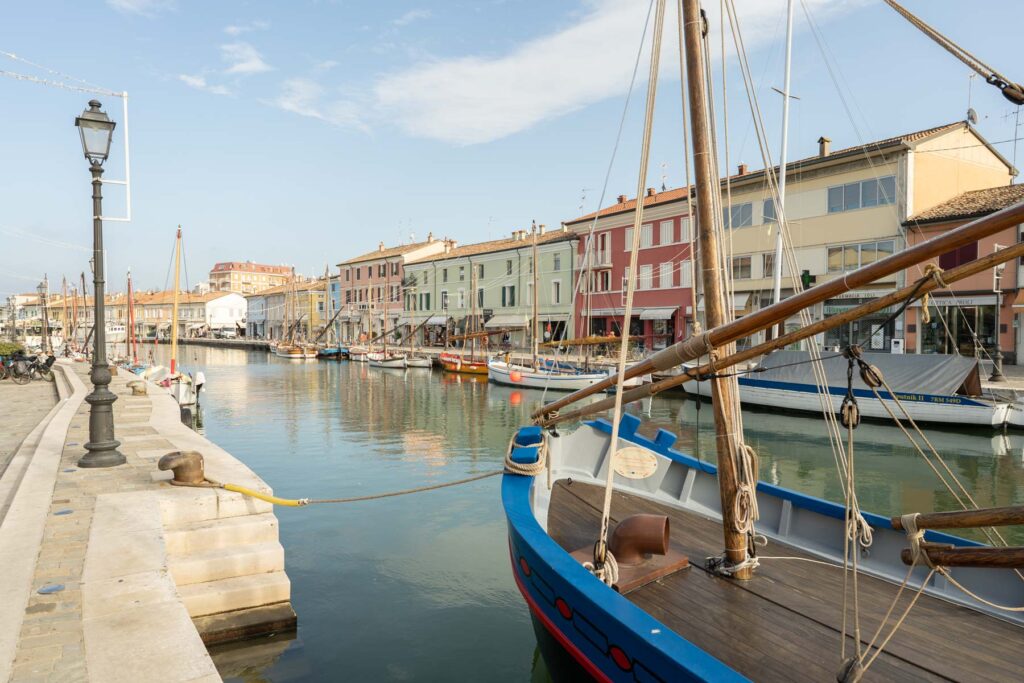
pixel 453 362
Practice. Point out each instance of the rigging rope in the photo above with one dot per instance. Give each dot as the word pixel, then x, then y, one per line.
pixel 601 553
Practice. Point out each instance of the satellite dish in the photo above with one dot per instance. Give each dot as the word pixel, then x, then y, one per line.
pixel 972 116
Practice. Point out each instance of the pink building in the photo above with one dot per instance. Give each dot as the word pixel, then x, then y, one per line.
pixel 663 305
pixel 368 288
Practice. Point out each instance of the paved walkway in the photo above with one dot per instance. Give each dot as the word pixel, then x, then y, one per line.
pixel 24 407
pixel 51 646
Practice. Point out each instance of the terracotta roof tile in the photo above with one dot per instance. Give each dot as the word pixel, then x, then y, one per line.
pixel 386 253
pixel 972 204
pixel 498 245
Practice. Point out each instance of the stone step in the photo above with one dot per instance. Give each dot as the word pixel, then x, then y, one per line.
pixel 240 592
pixel 223 563
pixel 227 532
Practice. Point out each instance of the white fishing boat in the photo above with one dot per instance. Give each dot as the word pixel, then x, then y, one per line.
pixel 511 374
pixel 394 362
pixel 934 388
pixel 419 362
pixel 116 334
pixel 359 354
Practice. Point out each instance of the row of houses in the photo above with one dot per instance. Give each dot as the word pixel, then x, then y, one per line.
pixel 199 315
pixel 845 208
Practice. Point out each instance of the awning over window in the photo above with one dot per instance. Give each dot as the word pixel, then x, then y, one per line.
pixel 740 301
pixel 1018 301
pixel 657 313
pixel 437 320
pixel 410 320
pixel 605 312
pixel 508 320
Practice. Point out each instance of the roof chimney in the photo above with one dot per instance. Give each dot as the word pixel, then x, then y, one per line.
pixel 650 192
pixel 622 199
pixel 380 247
pixel 741 169
pixel 515 234
pixel 541 229
pixel 430 237
pixel 824 146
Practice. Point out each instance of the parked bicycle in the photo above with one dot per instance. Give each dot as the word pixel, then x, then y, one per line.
pixel 22 369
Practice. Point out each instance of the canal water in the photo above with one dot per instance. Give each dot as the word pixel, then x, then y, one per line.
pixel 419 587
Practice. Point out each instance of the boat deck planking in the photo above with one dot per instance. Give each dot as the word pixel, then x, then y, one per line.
pixel 785 624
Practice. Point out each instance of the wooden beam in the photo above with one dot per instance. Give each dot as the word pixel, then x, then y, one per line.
pixel 967 519
pixel 995 558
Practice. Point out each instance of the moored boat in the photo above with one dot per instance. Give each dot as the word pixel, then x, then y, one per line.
pixel 392 361
pixel 504 372
pixel 934 388
pixel 419 362
pixel 453 362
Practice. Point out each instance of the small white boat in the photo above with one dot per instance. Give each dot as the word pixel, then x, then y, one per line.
pixel 510 374
pixel 418 362
pixel 379 360
pixel 934 388
pixel 358 354
pixel 295 351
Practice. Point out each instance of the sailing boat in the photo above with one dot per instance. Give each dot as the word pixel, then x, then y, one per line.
pixel 290 347
pixel 650 615
pixel 541 374
pixel 182 387
pixel 473 364
pixel 387 359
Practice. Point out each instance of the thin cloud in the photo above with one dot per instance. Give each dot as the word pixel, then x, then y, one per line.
pixel 200 83
pixel 239 29
pixel 474 99
pixel 411 16
pixel 306 97
pixel 142 7
pixel 243 58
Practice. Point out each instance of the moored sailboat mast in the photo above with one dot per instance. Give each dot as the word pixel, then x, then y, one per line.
pixel 174 309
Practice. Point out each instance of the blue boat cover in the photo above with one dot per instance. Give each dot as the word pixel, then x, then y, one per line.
pixel 936 374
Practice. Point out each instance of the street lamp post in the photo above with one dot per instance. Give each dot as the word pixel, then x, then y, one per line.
pixel 96 130
pixel 44 317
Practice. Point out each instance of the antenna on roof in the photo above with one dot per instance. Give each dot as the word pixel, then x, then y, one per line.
pixel 664 174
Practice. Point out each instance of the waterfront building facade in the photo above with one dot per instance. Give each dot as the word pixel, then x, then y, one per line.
pixel 246 277
pixel 199 315
pixel 966 317
pixel 439 289
pixel 663 304
pixel 256 316
pixel 844 208
pixel 301 304
pixel 368 288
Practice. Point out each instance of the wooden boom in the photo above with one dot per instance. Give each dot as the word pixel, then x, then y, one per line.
pixel 588 341
pixel 1000 558
pixel 476 335
pixel 967 519
pixel 694 347
pixel 917 289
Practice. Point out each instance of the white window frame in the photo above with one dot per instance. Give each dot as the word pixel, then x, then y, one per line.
pixel 646 235
pixel 668 227
pixel 629 239
pixel 646 277
pixel 666 275
pixel 556 292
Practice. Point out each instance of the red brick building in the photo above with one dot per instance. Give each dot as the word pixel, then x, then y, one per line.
pixel 663 304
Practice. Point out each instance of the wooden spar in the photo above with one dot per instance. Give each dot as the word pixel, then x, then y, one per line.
pixel 174 309
pixel 64 302
pixel 722 398
pixel 128 318
pixel 587 341
pixel 693 347
pixel 967 519
pixel 917 289
pixel 948 556
pixel 476 323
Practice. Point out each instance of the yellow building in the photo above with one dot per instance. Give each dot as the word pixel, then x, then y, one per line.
pixel 846 208
pixel 302 305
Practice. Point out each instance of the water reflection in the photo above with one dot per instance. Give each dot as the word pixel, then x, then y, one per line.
pixel 419 586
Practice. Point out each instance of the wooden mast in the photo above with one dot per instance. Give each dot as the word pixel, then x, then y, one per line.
pixel 476 323
pixel 723 399
pixel 131 321
pixel 64 302
pixel 174 307
pixel 128 318
pixel 535 313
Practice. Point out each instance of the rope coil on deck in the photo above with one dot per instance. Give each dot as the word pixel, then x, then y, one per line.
pixel 530 469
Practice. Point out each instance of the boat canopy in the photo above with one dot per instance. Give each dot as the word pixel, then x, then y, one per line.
pixel 438 320
pixel 740 301
pixel 506 320
pixel 937 374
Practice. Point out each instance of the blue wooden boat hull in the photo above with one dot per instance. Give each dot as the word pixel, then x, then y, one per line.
pixel 601 633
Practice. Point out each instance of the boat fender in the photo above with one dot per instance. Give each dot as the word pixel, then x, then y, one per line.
pixel 187 467
pixel 638 536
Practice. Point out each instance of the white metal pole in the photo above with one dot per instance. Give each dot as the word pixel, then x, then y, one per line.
pixel 777 289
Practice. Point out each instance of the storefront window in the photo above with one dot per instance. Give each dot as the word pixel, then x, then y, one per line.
pixel 966 330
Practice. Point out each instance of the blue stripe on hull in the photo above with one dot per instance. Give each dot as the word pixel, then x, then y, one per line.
pixel 860 393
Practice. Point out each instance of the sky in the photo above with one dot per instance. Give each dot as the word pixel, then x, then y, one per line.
pixel 305 132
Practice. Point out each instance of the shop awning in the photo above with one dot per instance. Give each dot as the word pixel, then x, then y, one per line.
pixel 740 301
pixel 437 320
pixel 605 312
pixel 1018 301
pixel 506 320
pixel 197 326
pixel 657 313
pixel 409 320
